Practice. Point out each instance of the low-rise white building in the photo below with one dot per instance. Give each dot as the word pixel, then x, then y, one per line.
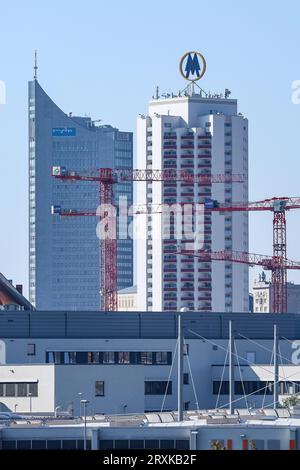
pixel 126 362
pixel 127 299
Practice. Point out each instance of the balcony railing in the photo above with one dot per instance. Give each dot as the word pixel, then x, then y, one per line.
pixel 188 136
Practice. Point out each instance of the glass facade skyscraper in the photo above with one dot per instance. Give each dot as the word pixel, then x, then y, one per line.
pixel 64 252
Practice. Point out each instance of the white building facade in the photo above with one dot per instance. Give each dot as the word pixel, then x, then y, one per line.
pixel 262 296
pixel 125 362
pixel 201 136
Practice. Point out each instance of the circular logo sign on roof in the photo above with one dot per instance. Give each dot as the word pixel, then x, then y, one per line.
pixel 192 66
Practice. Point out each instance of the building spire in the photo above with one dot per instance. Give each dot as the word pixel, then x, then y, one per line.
pixel 35 65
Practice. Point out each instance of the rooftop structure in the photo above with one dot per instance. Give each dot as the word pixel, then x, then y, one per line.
pixel 200 430
pixel 11 297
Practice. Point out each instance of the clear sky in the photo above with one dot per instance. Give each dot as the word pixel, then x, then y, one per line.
pixel 105 59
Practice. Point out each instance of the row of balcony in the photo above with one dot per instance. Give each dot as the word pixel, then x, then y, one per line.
pixel 186 146
pixel 186 136
pixel 175 156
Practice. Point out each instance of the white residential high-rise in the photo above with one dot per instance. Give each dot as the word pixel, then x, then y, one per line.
pixel 201 135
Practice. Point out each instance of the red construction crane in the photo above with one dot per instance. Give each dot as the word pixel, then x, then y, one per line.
pixel 272 263
pixel 106 178
pixel 252 259
pixel 279 206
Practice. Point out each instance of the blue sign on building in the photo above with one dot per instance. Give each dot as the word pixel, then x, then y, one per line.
pixel 63 132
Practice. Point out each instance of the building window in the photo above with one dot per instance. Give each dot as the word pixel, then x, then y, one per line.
pixel 273 444
pixel 30 349
pixel 158 387
pixel 108 357
pixel 146 357
pixel 99 388
pixel 70 357
pixel 10 390
pixel 249 387
pixel 55 357
pixel 185 378
pixel 163 357
pixel 123 358
pixel 33 389
pixel 93 358
pixel 22 390
pixel 19 389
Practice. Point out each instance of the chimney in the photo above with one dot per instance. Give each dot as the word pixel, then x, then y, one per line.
pixel 19 288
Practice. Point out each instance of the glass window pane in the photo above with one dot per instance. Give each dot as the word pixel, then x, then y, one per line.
pixel 8 445
pixel 106 444
pixel 99 388
pixel 273 444
pixel 69 444
pixel 182 444
pixel 81 357
pixel 158 387
pixel 33 389
pixel 122 444
pixel 38 444
pixel 53 444
pixel 123 358
pixel 56 357
pixel 93 357
pixel 24 445
pixel 167 444
pixel 21 390
pixel 108 357
pixel 151 444
pixel 136 444
pixel 10 390
pixel 186 378
pixel 31 349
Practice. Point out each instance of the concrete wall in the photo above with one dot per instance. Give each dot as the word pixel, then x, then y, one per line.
pixel 43 375
pixel 123 388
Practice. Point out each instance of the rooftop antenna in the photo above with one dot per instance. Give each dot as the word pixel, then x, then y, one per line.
pixel 157 92
pixel 35 65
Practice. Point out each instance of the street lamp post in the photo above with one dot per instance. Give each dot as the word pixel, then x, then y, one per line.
pixel 30 402
pixel 84 402
pixel 80 400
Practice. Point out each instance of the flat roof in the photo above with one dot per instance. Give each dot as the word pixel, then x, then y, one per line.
pixel 217 417
pixel 143 325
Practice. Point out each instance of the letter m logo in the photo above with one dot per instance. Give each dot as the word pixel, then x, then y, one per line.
pixel 192 66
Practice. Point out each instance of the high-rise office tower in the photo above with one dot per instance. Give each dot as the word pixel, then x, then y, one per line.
pixel 200 135
pixel 64 252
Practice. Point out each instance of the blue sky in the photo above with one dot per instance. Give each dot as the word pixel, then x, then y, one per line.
pixel 105 59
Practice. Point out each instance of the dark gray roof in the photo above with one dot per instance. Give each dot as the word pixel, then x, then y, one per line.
pixel 40 324
pixel 128 290
pixel 7 286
